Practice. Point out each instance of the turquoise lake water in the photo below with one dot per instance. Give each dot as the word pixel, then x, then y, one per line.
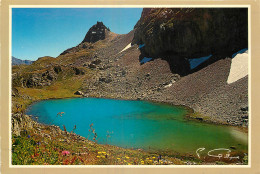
pixel 137 124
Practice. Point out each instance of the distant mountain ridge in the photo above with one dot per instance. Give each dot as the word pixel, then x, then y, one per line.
pixel 16 61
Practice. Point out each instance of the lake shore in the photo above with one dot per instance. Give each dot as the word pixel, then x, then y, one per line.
pixel 191 115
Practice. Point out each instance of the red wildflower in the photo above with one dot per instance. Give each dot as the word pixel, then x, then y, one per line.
pixel 65 152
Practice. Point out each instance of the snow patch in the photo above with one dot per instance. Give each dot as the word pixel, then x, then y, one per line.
pixel 239 68
pixel 197 61
pixel 145 59
pixel 128 46
pixel 141 46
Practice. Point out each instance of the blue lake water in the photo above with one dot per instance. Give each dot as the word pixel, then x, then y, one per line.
pixel 137 124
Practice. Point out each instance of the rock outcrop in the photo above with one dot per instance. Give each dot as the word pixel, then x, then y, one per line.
pixel 37 79
pixel 21 122
pixel 177 34
pixel 95 33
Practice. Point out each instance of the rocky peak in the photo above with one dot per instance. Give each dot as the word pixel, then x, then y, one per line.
pixel 96 32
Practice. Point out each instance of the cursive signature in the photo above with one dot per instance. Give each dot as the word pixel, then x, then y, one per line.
pixel 225 153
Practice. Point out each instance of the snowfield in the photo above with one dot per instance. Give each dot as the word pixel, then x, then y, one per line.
pixel 239 67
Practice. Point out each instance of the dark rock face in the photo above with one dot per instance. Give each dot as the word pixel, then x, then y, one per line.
pixel 190 33
pixel 96 32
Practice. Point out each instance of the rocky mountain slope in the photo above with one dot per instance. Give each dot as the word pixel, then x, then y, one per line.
pixel 170 37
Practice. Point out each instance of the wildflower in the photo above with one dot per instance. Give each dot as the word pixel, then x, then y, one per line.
pixel 127 157
pixel 29 136
pixel 103 156
pixel 147 158
pixel 98 156
pixel 129 164
pixel 104 152
pixel 154 157
pixel 99 152
pixel 150 160
pixel 118 158
pixel 65 152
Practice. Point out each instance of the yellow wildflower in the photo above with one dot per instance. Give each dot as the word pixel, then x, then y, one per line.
pixel 99 152
pixel 98 156
pixel 154 157
pixel 118 158
pixel 127 157
pixel 147 158
pixel 104 152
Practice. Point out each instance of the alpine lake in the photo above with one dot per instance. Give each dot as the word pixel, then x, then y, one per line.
pixel 137 124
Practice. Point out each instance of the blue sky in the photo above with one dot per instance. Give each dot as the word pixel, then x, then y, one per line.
pixel 38 32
